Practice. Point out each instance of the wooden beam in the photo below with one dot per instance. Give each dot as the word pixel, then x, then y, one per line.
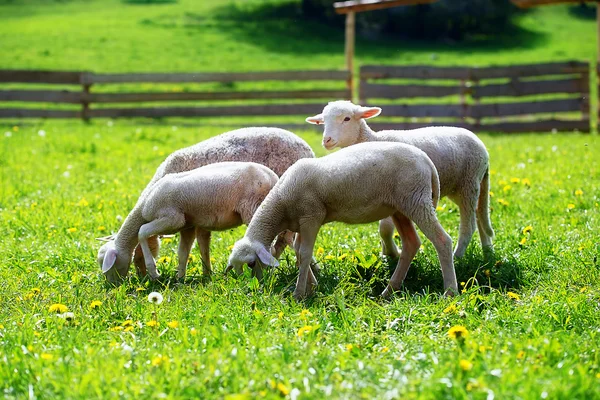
pixel 349 50
pixel 535 3
pixel 344 7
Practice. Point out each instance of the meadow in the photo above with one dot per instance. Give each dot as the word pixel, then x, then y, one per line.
pixel 526 325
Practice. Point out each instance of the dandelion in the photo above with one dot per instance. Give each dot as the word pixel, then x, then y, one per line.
pixel 439 208
pixel 458 332
pixel 283 390
pixel 465 365
pixel 95 304
pixel 483 349
pixel 526 182
pixel 579 192
pixel 329 257
pixel 583 289
pixel 58 308
pixel 513 295
pixel 527 229
pixel 140 289
pixel 193 331
pixel 155 298
pixel 320 251
pixel 385 349
pixel 68 316
pixel 491 194
pixel 1 326
pixel 115 329
pixel 164 259
pixel 46 356
pixel 128 329
pixel 305 330
pixel 83 202
pixel 36 290
pixel 305 314
pixel 167 240
pixel 450 309
pixel 506 188
pixel 523 241
pixel 152 324
pixel 570 206
pixel 127 322
pixel 280 315
pixel 173 324
pixel 487 273
pixel 72 230
pixel 159 360
pixel 503 202
pixel 520 355
pixel 349 347
pixel 515 180
pixel 101 228
pixel 598 375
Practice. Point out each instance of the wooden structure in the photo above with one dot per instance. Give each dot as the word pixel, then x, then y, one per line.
pixel 297 102
pixel 468 97
pixel 350 8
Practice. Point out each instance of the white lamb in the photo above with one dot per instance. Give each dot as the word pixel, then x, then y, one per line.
pixel 460 157
pixel 359 184
pixel 211 198
pixel 273 147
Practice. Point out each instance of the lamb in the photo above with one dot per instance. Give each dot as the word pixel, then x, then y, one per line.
pixel 211 198
pixel 459 155
pixel 273 147
pixel 358 184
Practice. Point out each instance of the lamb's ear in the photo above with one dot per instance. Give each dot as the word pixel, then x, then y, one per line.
pixel 266 258
pixel 109 259
pixel 317 119
pixel 368 112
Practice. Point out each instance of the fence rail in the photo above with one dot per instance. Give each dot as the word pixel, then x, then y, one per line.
pixel 486 98
pixel 87 99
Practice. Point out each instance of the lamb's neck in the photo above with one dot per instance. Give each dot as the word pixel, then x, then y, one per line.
pixel 366 134
pixel 127 237
pixel 267 223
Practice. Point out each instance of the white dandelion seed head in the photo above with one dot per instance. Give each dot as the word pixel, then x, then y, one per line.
pixel 68 316
pixel 42 133
pixel 155 298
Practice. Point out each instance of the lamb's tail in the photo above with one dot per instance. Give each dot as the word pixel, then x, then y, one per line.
pixel 483 205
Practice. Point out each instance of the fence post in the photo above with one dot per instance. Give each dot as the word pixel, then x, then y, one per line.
pixel 350 27
pixel 85 90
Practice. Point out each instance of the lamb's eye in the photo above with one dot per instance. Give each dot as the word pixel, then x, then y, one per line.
pixel 346 119
pixel 251 264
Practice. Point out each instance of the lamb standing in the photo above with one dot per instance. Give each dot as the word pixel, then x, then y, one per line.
pixel 359 184
pixel 460 157
pixel 273 147
pixel 211 198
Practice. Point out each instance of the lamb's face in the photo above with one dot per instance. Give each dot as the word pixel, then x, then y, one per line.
pixel 253 254
pixel 342 120
pixel 114 265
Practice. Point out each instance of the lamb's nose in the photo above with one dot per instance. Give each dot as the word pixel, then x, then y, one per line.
pixel 327 140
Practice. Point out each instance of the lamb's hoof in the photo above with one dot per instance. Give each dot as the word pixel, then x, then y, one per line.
pixel 395 254
pixel 388 293
pixel 154 277
pixel 451 292
pixel 300 295
pixel 315 267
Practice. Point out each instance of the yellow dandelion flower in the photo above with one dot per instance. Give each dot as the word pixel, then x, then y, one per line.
pixel 305 314
pixel 527 229
pixel 506 188
pixel 349 347
pixel 580 247
pixel 95 304
pixel 140 289
pixel 513 295
pixel 598 375
pixel 36 290
pixel 487 273
pixel 2 327
pixel 472 385
pixel 193 331
pixel 58 308
pixel 579 192
pixel 450 309
pixel 159 360
pixel 280 315
pixel 583 289
pixel 173 324
pixel 152 324
pixel 458 332
pixel 526 182
pixel 342 256
pixel 502 182
pixel 164 259
pixel 167 240
pixel 101 228
pixel 385 349
pixel 520 355
pixel 230 247
pixel 305 330
pixel 523 241
pixel 128 329
pixel 83 202
pixel 320 251
pixel 503 202
pixel 491 194
pixel 439 208
pixel 28 296
pixel 46 356
pixel 570 206
pixel 465 365
pixel 72 230
pixel 15 128
pixel 283 390
pixel 483 349
pixel 515 180
pixel 329 257
pixel 127 322
pixel 116 329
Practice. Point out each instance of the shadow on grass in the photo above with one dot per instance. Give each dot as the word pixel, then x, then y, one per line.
pixel 282 28
pixel 583 11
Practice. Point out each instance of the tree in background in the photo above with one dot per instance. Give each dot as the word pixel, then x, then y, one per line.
pixel 445 19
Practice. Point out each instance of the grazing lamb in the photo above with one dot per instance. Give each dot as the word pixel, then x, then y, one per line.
pixel 359 184
pixel 461 160
pixel 211 198
pixel 273 147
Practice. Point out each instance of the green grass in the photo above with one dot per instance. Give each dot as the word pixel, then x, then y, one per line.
pixel 65 183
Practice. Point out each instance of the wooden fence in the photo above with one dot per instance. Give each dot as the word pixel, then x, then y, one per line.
pixel 87 99
pixel 483 99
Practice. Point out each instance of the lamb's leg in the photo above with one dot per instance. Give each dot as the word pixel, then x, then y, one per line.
pixel 170 223
pixel 138 255
pixel 386 232
pixel 314 264
pixel 484 224
pixel 304 245
pixel 186 241
pixel 203 239
pixel 467 203
pixel 431 228
pixel 410 246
